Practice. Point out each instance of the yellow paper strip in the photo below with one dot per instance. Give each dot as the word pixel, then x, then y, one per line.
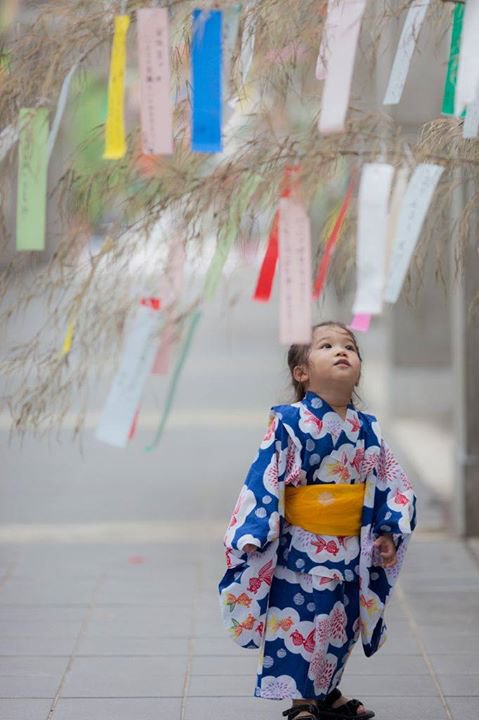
pixel 68 341
pixel 115 142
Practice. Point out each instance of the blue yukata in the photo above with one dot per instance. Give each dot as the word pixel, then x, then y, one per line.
pixel 305 599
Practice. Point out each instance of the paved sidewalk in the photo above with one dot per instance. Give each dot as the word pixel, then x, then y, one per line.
pixel 132 632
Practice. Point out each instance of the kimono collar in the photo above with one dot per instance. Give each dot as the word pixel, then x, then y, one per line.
pixel 318 406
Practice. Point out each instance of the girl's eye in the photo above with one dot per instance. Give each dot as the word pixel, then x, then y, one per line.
pixel 351 347
pixel 325 345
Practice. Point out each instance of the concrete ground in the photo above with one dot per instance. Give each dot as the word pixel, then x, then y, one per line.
pixel 109 563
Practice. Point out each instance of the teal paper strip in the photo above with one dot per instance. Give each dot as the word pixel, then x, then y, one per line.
pixel 185 349
pixel 451 76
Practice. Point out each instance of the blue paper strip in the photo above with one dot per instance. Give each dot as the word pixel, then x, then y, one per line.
pixel 206 61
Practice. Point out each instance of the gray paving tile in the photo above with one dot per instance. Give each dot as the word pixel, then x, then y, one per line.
pixel 381 664
pixel 125 677
pixel 136 621
pixel 398 686
pixel 405 708
pixel 30 592
pixel 112 645
pixel 234 708
pixel 228 686
pixel 456 664
pixel 461 685
pixel 221 665
pixel 38 629
pixel 463 708
pixel 28 686
pixel 24 709
pixel 459 645
pixel 117 709
pixel 51 645
pixel 33 665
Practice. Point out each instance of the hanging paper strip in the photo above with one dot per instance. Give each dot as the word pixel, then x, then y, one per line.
pixel 471 121
pixel 468 71
pixel 413 212
pixel 397 197
pixel 127 386
pixel 361 322
pixel 328 38
pixel 62 101
pixel 228 235
pixel 342 52
pixel 451 76
pixel 154 64
pixel 407 44
pixel 322 274
pixel 172 286
pixel 193 324
pixel 115 141
pixel 295 318
pixel 231 21
pixel 32 179
pixel 206 59
pixel 373 207
pixel 8 138
pixel 247 43
pixel 264 285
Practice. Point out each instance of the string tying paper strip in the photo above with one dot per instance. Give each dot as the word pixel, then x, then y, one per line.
pixel 294 272
pixel 373 206
pixel 115 141
pixel 342 44
pixel 407 44
pixel 32 179
pixel 415 205
pixel 135 365
pixel 206 59
pixel 156 107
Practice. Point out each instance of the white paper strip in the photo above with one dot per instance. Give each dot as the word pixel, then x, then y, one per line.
pixel 397 197
pixel 62 101
pixel 467 84
pixel 8 138
pixel 342 52
pixel 407 43
pixel 247 43
pixel 328 37
pixel 294 273
pixel 373 213
pixel 471 121
pixel 135 365
pixel 413 212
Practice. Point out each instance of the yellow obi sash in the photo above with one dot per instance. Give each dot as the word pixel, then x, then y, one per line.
pixel 325 509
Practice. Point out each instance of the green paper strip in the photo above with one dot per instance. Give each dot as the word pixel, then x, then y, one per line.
pixel 175 378
pixel 451 77
pixel 32 179
pixel 227 236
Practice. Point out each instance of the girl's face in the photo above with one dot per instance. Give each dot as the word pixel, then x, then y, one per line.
pixel 333 361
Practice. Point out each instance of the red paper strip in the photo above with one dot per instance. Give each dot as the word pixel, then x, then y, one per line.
pixel 134 425
pixel 322 273
pixel 361 322
pixel 264 286
pixel 152 302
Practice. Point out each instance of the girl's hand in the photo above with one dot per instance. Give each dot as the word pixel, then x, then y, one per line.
pixel 387 550
pixel 249 548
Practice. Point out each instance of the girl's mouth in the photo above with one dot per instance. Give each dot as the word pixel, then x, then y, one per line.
pixel 346 363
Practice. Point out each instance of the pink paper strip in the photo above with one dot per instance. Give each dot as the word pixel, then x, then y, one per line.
pixel 342 52
pixel 154 64
pixel 294 272
pixel 361 322
pixel 171 291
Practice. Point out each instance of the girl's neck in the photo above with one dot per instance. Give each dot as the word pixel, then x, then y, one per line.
pixel 338 399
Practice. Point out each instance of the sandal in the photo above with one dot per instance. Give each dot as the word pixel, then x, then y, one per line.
pixel 293 712
pixel 344 712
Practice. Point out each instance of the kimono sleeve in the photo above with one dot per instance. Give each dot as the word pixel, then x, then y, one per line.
pixel 256 516
pixel 395 506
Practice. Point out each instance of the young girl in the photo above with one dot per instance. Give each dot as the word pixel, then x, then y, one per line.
pixel 317 536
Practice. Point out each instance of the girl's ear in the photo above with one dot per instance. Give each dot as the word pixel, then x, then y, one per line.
pixel 300 373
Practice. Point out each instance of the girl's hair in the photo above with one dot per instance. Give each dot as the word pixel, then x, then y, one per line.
pixel 298 355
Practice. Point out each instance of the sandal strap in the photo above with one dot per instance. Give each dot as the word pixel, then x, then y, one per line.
pixel 297 709
pixel 344 712
pixel 330 699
